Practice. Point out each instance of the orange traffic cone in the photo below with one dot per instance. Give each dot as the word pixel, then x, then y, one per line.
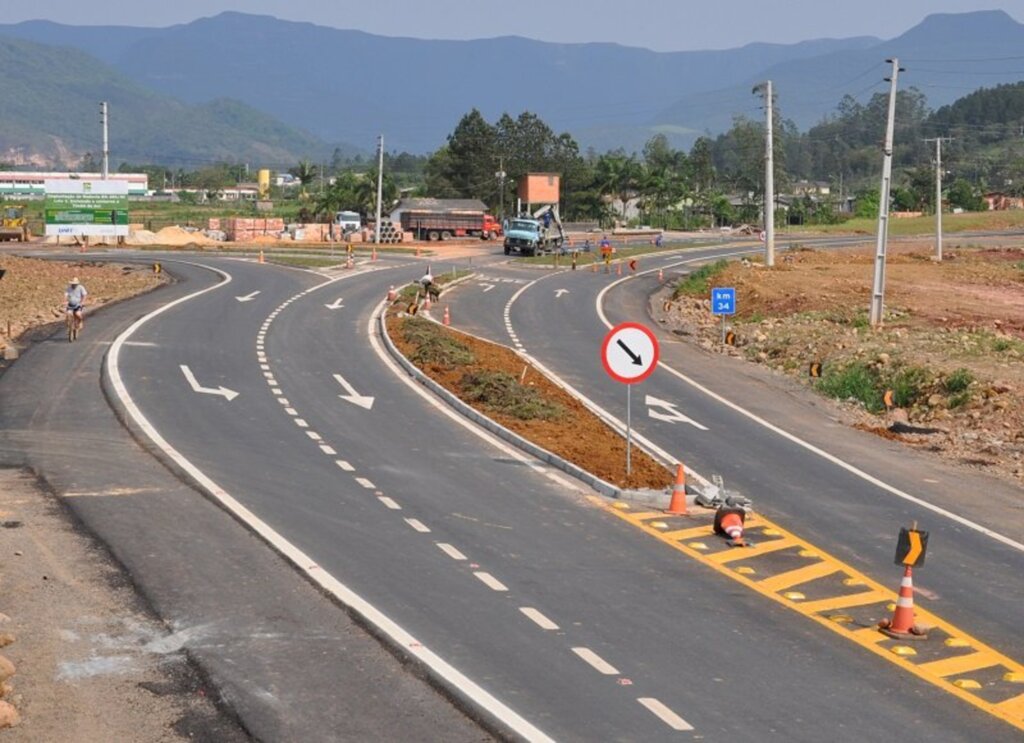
pixel 447 316
pixel 677 506
pixel 902 626
pixel 392 294
pixel 618 268
pixel 661 275
pixel 373 255
pixel 729 524
pixel 426 301
pixel 261 256
pixel 349 263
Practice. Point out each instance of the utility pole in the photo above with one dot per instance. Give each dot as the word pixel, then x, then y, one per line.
pixel 106 142
pixel 938 194
pixel 878 285
pixel 380 183
pixel 769 176
pixel 501 184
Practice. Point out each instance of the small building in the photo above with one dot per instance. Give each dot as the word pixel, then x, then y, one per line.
pixel 999 201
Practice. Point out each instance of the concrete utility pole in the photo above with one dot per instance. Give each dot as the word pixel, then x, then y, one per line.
pixel 878 286
pixel 938 194
pixel 106 140
pixel 380 183
pixel 769 175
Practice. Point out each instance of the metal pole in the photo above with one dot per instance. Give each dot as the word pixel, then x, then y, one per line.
pixel 106 142
pixel 380 184
pixel 629 428
pixel 878 285
pixel 938 199
pixel 723 330
pixel 769 182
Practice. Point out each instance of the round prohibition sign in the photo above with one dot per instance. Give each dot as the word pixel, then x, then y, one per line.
pixel 630 353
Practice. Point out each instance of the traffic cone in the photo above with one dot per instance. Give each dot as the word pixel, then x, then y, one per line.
pixel 392 294
pixel 373 255
pixel 349 263
pixel 677 506
pixel 902 626
pixel 261 256
pixel 729 523
pixel 447 316
pixel 618 268
pixel 417 251
pixel 661 275
pixel 426 301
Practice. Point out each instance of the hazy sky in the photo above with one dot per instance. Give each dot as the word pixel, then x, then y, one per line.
pixel 655 24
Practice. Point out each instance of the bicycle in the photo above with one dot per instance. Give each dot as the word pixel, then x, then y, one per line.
pixel 73 322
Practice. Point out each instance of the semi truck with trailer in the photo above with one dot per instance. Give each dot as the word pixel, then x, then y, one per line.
pixel 445 225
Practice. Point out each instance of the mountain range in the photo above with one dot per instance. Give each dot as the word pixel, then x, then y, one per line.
pixel 259 87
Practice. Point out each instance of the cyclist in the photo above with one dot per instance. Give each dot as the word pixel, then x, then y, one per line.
pixel 74 297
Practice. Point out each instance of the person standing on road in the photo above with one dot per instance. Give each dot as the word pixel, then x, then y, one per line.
pixel 74 299
pixel 606 253
pixel 429 288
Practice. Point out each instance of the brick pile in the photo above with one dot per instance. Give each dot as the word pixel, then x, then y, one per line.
pixel 242 229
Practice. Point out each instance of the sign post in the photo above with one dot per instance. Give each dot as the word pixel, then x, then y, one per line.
pixel 629 354
pixel 723 302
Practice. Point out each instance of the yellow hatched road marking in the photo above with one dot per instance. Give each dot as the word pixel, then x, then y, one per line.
pixel 740 553
pixel 696 531
pixel 792 578
pixel 1010 711
pixel 960 664
pixel 844 602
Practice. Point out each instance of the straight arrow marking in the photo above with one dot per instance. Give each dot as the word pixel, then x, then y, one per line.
pixel 352 396
pixel 247 297
pixel 560 292
pixel 224 392
pixel 487 287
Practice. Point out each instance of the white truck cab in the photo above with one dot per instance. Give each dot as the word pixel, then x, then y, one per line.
pixel 348 221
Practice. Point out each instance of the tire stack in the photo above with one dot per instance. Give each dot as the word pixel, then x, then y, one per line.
pixel 389 233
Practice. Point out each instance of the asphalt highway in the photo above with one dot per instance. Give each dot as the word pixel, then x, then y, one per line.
pixel 558 619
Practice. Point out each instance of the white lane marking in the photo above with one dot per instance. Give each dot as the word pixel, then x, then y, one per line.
pixel 220 390
pixel 389 502
pixel 265 367
pixel 277 392
pixel 490 581
pixel 329 450
pixel 537 618
pixel 335 305
pixel 664 714
pixel 291 411
pixel 450 551
pixel 301 423
pixel 596 661
pixel 272 382
pixel 352 396
pixel 672 414
pixel 314 435
pixel 418 526
pixel 268 374
pixel 562 481
pixel 811 447
pixel 141 344
pixel 344 465
pixel 283 401
pixel 365 483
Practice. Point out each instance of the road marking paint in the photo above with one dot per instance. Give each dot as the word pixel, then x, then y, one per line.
pixel 272 382
pixel 418 526
pixel 265 367
pixel 490 581
pixel 314 435
pixel 344 465
pixel 844 602
pixel 329 450
pixel 664 714
pixel 301 423
pixel 799 575
pixel 960 664
pixel 451 551
pixel 596 661
pixel 284 401
pixel 537 618
pixel 389 502
pixel 291 411
pixel 277 392
pixel 562 481
pixel 268 374
pixel 365 483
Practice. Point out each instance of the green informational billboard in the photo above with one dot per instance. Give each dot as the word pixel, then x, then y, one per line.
pixel 89 208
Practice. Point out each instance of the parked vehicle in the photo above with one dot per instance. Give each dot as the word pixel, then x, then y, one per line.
pixel 348 222
pixel 535 235
pixel 13 225
pixel 444 225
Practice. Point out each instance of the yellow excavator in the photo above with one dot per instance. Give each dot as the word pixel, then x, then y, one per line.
pixel 12 224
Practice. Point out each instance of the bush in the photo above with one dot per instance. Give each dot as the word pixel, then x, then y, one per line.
pixel 433 345
pixel 856 381
pixel 698 283
pixel 502 392
pixel 908 385
pixel 958 381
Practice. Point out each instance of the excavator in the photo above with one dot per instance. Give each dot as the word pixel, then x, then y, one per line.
pixel 13 225
pixel 535 234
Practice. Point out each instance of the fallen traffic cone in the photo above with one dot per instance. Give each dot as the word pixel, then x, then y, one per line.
pixel 260 260
pixel 677 506
pixel 447 317
pixel 392 294
pixel 902 626
pixel 729 523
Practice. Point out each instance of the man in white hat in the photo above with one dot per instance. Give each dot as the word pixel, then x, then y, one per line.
pixel 74 297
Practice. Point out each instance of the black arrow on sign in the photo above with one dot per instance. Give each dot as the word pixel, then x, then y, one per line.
pixel 636 359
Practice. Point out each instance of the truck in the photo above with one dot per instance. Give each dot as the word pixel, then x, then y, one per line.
pixel 444 225
pixel 535 234
pixel 13 225
pixel 348 222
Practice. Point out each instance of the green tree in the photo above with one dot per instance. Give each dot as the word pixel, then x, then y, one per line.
pixel 963 195
pixel 618 175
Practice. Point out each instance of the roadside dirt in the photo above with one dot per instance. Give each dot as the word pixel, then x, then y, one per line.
pixel 952 341
pixel 91 664
pixel 32 291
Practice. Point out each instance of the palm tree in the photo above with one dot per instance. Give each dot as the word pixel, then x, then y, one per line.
pixel 305 171
pixel 618 176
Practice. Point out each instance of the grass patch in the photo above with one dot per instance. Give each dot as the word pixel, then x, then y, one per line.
pixel 502 393
pixel 908 385
pixel 698 283
pixel 958 381
pixel 856 381
pixel 305 261
pixel 959 400
pixel 433 345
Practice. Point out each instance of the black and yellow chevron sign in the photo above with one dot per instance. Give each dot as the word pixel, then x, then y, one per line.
pixel 911 547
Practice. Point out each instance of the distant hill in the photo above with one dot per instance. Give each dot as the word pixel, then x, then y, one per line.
pixel 50 115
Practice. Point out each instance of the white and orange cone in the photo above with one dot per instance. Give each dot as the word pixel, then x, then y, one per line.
pixel 677 506
pixel 261 256
pixel 373 255
pixel 426 301
pixel 902 625
pixel 729 523
pixel 447 316
pixel 661 275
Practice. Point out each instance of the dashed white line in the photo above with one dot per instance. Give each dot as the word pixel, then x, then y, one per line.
pixel 418 526
pixel 284 401
pixel 277 392
pixel 272 382
pixel 451 551
pixel 537 618
pixel 390 503
pixel 663 713
pixel 301 423
pixel 365 483
pixel 314 435
pixel 345 465
pixel 329 450
pixel 268 374
pixel 490 581
pixel 265 367
pixel 596 661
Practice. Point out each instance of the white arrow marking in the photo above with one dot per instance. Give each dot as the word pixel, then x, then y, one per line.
pixel 672 416
pixel 335 305
pixel 247 297
pixel 352 396
pixel 560 292
pixel 487 287
pixel 224 392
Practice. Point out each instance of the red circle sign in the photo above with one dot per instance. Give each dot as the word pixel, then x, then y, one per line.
pixel 630 353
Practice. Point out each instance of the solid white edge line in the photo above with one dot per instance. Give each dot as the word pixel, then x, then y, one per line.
pixel 537 618
pixel 598 663
pixel 345 595
pixel 664 714
pixel 599 301
pixel 451 551
pixel 490 581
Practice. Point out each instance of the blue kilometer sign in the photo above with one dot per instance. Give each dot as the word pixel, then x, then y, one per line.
pixel 723 301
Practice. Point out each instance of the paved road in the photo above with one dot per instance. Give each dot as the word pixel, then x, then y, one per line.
pixel 567 617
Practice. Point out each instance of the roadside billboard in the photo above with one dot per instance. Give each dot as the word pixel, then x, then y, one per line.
pixel 86 208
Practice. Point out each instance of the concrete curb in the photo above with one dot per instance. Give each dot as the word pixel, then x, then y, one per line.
pixel 593 481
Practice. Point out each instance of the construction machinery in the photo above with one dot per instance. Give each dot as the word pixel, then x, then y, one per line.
pixel 12 224
pixel 535 234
